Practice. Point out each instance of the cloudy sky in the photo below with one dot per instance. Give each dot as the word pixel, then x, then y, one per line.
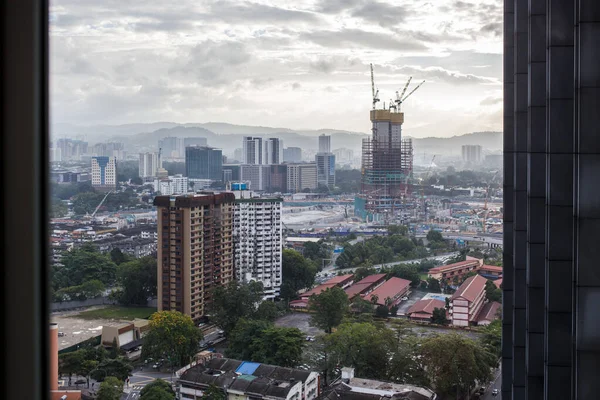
pixel 301 64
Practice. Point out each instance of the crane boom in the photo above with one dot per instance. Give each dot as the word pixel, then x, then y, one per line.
pixel 412 91
pixel 101 202
pixel 373 92
pixel 405 88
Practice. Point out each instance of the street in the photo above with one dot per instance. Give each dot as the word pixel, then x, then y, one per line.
pixel 495 384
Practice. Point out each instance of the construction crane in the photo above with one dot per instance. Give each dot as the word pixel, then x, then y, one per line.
pixel 100 205
pixel 400 98
pixel 373 92
pixel 422 191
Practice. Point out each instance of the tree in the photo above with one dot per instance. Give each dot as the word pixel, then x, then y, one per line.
pixel 433 285
pixel 317 252
pixel 492 293
pixel 454 363
pixel 434 236
pixel 158 389
pixel 297 273
pixel 439 316
pixel 213 393
pixel 397 230
pixel 261 341
pixel 118 257
pixel 328 307
pixel 382 312
pixel 110 389
pixel 363 272
pixel 137 279
pixel 173 334
pixel 235 301
pixel 114 349
pixel 267 311
pixel 361 306
pixel 81 265
pixel 408 272
pixel 492 337
pixel 118 367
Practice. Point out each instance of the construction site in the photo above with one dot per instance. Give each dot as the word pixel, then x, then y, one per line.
pixel 387 162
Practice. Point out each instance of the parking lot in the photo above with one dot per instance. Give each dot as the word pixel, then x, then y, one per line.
pixel 75 329
pixel 414 296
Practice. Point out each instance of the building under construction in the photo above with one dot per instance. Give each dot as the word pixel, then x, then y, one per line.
pixel 387 162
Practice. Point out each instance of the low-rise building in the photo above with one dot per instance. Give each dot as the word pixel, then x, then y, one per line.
pixel 248 380
pixel 124 333
pixel 342 281
pixel 490 271
pixel 467 301
pixel 489 312
pixel 365 285
pixel 390 293
pixel 422 310
pixel 447 273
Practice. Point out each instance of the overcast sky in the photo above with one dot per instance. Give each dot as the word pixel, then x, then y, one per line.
pixel 301 64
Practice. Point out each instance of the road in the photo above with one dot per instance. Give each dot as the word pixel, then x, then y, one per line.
pixel 138 380
pixel 496 384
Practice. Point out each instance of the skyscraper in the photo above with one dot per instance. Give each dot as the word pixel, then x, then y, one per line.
pixel 324 144
pixel 325 169
pixel 257 237
pixel 148 164
pixel 203 162
pixel 273 151
pixel 195 252
pixel 292 154
pixel 104 173
pixel 252 150
pixel 171 147
pixel 471 153
pixel 301 176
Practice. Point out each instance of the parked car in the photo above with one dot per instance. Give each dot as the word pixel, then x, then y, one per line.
pixel 61 334
pixel 405 298
pixel 310 338
pixel 495 392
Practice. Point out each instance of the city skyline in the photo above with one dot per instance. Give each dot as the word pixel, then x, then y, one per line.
pixel 194 63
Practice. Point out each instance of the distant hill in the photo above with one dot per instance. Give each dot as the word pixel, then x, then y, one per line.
pixel 142 137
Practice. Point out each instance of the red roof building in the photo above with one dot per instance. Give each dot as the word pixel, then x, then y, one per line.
pixel 467 301
pixel 490 271
pixel 498 283
pixel 459 269
pixel 365 285
pixel 488 313
pixel 422 310
pixel 394 288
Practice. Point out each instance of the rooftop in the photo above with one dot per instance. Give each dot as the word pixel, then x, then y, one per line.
pixel 426 306
pixel 489 312
pixel 339 279
pixel 461 264
pixel 491 268
pixel 364 284
pixel 471 288
pixel 390 289
pixel 369 386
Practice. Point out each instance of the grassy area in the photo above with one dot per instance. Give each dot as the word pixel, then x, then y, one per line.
pixel 423 276
pixel 116 312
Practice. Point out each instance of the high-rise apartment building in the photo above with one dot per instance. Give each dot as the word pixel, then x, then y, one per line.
pixel 257 238
pixel 324 144
pixel 551 279
pixel 71 149
pixel 292 154
pixel 325 169
pixel 238 155
pixel 104 173
pixel 471 153
pixel 252 150
pixel 301 176
pixel 148 164
pixel 203 162
pixel 257 175
pixel 176 184
pixel 171 147
pixel 273 153
pixel 195 250
pixel 110 149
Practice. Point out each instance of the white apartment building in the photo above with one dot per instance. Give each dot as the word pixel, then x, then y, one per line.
pixel 252 150
pixel 104 172
pixel 148 164
pixel 301 176
pixel 257 175
pixel 176 184
pixel 273 153
pixel 257 237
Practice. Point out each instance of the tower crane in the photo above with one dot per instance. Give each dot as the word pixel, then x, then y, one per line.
pixel 400 98
pixel 101 202
pixel 373 92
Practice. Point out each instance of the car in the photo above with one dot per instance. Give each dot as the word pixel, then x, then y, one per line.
pixel 155 366
pixel 495 392
pixel 482 390
pixel 61 334
pixel 310 338
pixel 405 298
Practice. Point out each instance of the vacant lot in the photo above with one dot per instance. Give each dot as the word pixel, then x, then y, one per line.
pixel 300 321
pixel 115 312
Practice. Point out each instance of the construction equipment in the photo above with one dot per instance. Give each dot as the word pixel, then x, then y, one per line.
pixel 101 202
pixel 400 98
pixel 373 92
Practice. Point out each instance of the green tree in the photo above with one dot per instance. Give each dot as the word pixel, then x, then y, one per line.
pixel 81 265
pixel 297 273
pixel 363 272
pixel 439 316
pixel 260 341
pixel 382 311
pixel 361 306
pixel 408 272
pixel 434 236
pixel 119 367
pixel 492 337
pixel 328 308
pixel 235 301
pixel 397 230
pixel 213 393
pixel 137 279
pixel 433 285
pixel 267 311
pixel 317 252
pixel 59 209
pixel 492 293
pixel 118 257
pixel 171 334
pixel 454 363
pixel 158 389
pixel 110 389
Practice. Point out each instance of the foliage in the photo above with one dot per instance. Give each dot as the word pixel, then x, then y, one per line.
pixel 433 285
pixel 64 191
pixel 58 208
pixel 439 316
pixel 397 230
pixel 363 272
pixel 492 337
pixel 86 202
pixel 434 236
pixel 492 293
pixel 298 273
pixel 382 311
pixel 110 389
pixel 87 290
pixel 234 302
pixel 364 346
pixel 213 393
pixel 81 265
pixel 267 311
pixel 406 271
pixel 137 279
pixel 173 334
pixel 119 367
pixel 361 305
pixel 461 256
pixel 328 308
pixel 261 341
pixel 158 389
pixel 454 363
pixel 118 257
pixel 317 252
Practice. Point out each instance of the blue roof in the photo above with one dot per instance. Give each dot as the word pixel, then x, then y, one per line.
pixel 247 368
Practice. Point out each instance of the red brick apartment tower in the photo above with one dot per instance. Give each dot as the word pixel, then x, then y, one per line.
pixel 195 250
